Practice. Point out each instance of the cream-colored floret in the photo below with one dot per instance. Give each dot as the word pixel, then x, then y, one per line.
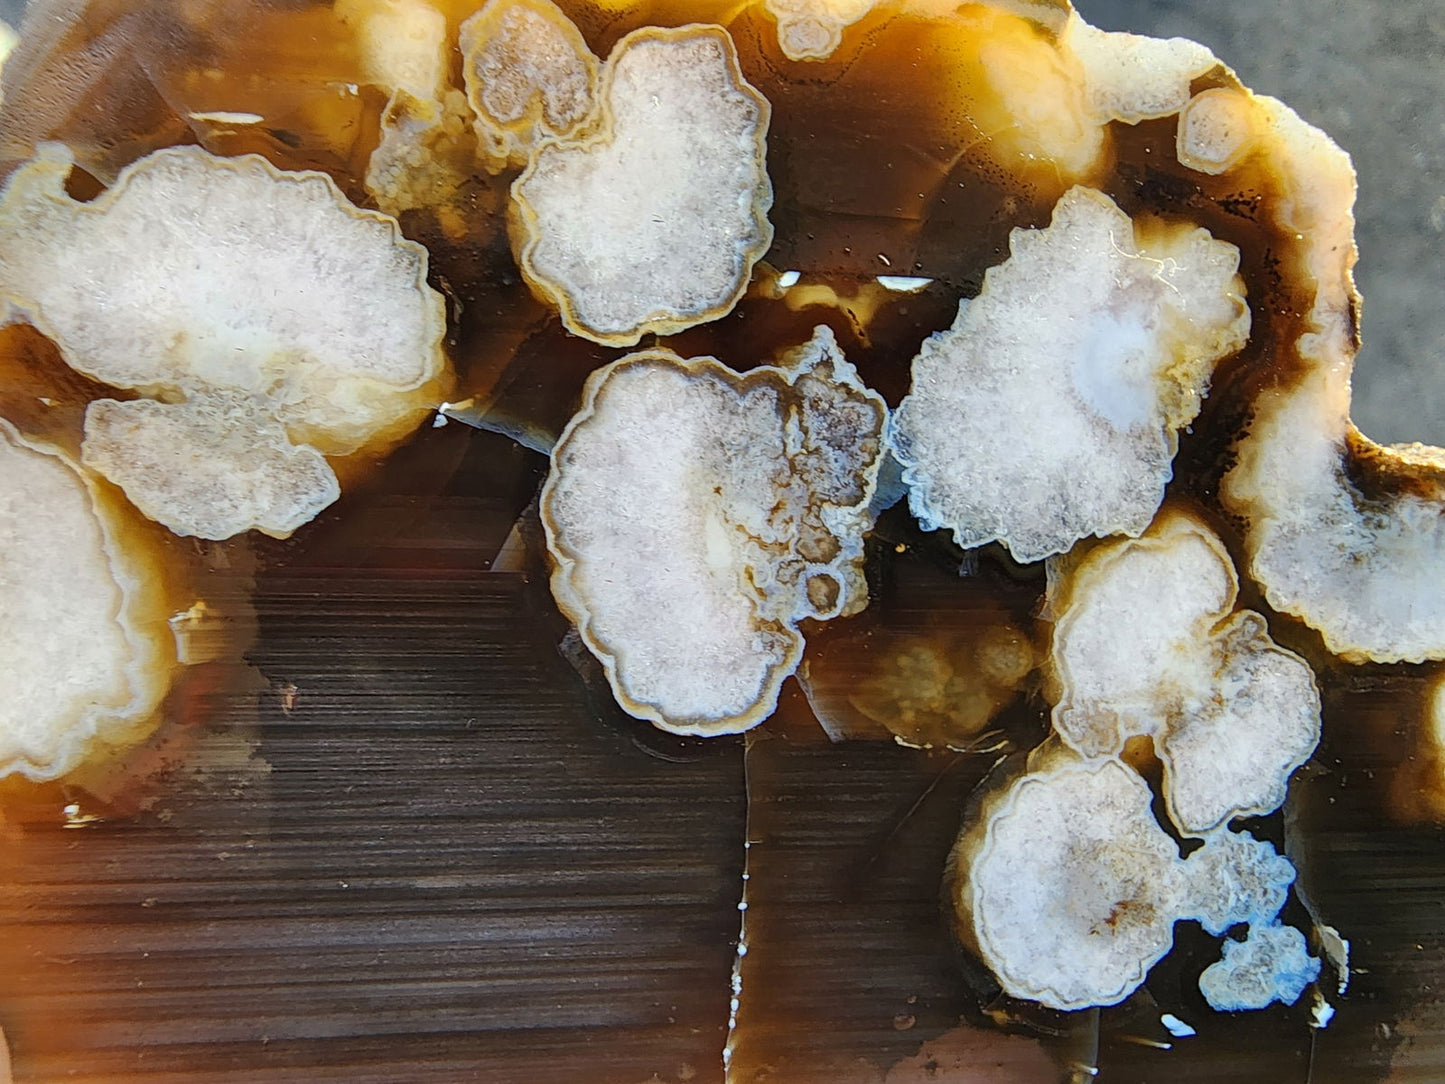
pixel 653 222
pixel 1271 964
pixel 1131 77
pixel 1216 130
pixel 84 661
pixel 1235 878
pixel 529 76
pixel 211 466
pixel 696 515
pixel 1070 888
pixel 418 162
pixel 242 291
pixel 1147 641
pixel 813 29
pixel 1367 572
pixel 1049 411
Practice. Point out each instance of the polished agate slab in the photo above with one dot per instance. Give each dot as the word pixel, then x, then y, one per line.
pixel 793 337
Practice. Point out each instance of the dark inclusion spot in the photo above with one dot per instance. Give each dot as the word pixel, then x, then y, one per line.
pixel 823 593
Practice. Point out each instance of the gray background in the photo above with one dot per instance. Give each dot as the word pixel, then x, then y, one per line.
pixel 1369 72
